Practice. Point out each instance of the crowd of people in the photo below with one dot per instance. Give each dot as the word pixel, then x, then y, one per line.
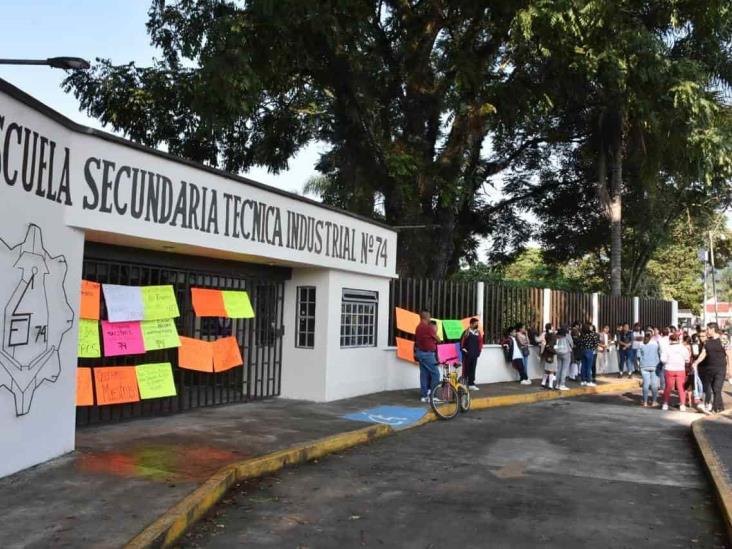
pixel 692 363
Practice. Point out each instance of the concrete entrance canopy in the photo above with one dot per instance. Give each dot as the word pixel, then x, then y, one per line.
pixel 124 193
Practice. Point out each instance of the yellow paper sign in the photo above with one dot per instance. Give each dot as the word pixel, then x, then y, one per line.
pixel 89 339
pixel 237 304
pixel 159 334
pixel 159 302
pixel 155 380
pixel 438 326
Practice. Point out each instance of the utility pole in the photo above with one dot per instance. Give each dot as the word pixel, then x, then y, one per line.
pixel 714 282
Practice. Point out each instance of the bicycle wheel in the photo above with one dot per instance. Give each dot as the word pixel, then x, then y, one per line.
pixel 444 400
pixel 464 398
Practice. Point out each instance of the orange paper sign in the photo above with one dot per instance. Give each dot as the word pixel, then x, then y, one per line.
pixel 116 385
pixel 466 323
pixel 84 390
pixel 405 349
pixel 208 302
pixel 195 354
pixel 406 321
pixel 89 307
pixel 226 354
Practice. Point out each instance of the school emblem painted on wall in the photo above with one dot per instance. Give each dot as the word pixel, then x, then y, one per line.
pixel 35 315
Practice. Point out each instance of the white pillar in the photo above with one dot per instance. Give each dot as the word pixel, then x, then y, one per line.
pixel 547 309
pixel 479 298
pixel 674 313
pixel 596 310
pixel 636 310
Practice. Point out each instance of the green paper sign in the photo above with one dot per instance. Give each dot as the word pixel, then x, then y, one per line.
pixel 155 380
pixel 237 304
pixel 89 339
pixel 453 329
pixel 159 334
pixel 159 302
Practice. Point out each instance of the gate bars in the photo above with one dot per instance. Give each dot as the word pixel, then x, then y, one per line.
pixel 503 305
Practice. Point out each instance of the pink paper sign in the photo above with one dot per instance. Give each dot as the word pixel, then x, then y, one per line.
pixel 447 353
pixel 122 338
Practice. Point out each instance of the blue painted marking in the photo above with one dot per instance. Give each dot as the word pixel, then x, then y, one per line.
pixel 396 416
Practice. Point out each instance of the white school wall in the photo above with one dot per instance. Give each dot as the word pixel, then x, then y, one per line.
pixel 44 427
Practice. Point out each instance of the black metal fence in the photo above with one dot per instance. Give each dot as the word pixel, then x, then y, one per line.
pixel 259 338
pixel 505 305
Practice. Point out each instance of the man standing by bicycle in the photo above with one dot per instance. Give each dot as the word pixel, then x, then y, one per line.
pixel 425 352
pixel 471 343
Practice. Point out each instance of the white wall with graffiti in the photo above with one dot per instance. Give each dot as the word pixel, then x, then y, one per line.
pixel 40 273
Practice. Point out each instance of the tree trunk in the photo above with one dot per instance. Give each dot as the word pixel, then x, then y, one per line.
pixel 616 233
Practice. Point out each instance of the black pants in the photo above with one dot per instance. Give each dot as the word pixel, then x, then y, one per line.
pixel 518 363
pixel 713 381
pixel 470 362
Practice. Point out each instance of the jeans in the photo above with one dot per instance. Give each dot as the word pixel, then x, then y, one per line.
pixel 526 365
pixel 632 356
pixel 563 362
pixel 588 357
pixel 623 360
pixel 675 378
pixel 649 381
pixel 518 364
pixel 429 373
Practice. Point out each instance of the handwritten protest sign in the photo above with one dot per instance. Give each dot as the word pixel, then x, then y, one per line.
pixel 226 354
pixel 208 302
pixel 405 349
pixel 159 334
pixel 89 305
pixel 438 326
pixel 159 302
pixel 237 304
pixel 89 346
pixel 84 389
pixel 155 380
pixel 195 354
pixel 453 329
pixel 447 353
pixel 116 385
pixel 124 303
pixel 122 338
pixel 406 321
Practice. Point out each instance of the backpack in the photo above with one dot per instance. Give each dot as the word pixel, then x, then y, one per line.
pixel 561 347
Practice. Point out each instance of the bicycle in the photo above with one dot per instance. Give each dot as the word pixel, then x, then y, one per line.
pixel 451 395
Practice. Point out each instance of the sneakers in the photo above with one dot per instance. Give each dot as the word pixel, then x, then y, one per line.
pixel 474 388
pixel 592 384
pixel 682 408
pixel 583 383
pixel 664 407
pixel 424 399
pixel 563 388
pixel 526 382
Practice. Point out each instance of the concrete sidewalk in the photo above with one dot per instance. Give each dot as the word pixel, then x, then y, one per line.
pixel 124 476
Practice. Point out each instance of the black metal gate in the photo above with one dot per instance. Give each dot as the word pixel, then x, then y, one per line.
pixel 260 338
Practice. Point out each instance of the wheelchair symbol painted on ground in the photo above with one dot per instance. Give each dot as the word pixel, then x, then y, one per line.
pixel 394 416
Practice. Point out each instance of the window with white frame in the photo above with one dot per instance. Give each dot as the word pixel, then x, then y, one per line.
pixel 305 321
pixel 358 318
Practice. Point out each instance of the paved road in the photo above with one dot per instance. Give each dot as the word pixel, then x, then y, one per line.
pixel 591 472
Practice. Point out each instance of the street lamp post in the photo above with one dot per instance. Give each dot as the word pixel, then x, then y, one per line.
pixel 67 63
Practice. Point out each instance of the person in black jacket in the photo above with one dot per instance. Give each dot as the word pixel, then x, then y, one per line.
pixel 713 371
pixel 471 344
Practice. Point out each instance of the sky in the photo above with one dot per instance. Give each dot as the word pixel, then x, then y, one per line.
pixel 111 29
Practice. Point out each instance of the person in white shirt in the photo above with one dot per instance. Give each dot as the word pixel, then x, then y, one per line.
pixel 638 336
pixel 517 359
pixel 663 341
pixel 674 357
pixel 603 351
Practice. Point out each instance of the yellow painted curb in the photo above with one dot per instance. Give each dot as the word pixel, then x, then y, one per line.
pixel 167 529
pixel 716 471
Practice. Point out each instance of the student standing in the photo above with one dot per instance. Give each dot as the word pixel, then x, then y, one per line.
pixel 548 356
pixel 714 370
pixel 603 351
pixel 517 358
pixel 638 337
pixel 471 343
pixel 425 351
pixel 625 342
pixel 674 357
pixel 649 354
pixel 522 337
pixel 588 343
pixel 563 349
